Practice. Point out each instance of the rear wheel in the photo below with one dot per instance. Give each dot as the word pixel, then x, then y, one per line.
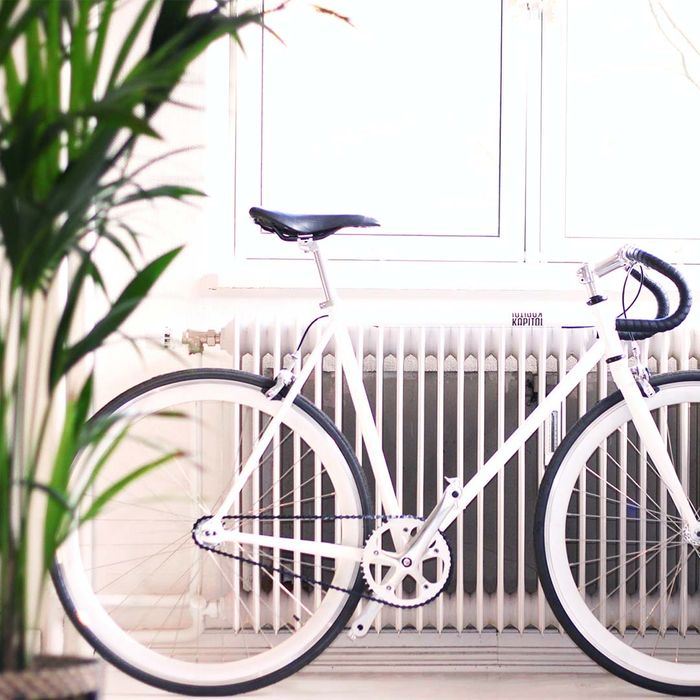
pixel 611 555
pixel 192 621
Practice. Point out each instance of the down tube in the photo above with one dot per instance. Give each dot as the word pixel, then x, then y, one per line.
pixel 497 462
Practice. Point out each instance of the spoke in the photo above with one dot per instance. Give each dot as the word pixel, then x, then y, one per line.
pixel 646 594
pixel 286 560
pixel 288 470
pixel 627 540
pixel 269 455
pixel 677 570
pixel 654 550
pixel 193 492
pixel 289 503
pixel 653 467
pixel 217 563
pixel 629 501
pixel 178 540
pixel 177 605
pixel 283 588
pixel 617 556
pixel 597 516
pixel 255 510
pixel 307 500
pixel 177 517
pixel 132 559
pixel 626 495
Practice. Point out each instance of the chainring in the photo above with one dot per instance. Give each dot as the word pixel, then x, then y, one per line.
pixel 423 580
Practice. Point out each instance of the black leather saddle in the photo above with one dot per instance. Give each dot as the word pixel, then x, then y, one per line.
pixel 290 227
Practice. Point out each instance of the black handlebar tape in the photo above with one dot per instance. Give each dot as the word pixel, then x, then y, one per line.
pixel 645 328
pixel 662 305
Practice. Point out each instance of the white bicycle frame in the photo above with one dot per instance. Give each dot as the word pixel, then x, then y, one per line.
pixel 456 497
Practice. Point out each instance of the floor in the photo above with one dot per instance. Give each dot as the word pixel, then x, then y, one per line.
pixel 309 685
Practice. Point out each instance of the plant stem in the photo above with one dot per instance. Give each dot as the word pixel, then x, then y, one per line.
pixel 14 593
pixel 5 481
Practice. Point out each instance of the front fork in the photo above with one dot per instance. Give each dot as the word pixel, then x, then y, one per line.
pixel 637 399
pixel 655 446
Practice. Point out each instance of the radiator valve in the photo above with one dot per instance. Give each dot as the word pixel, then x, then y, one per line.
pixel 196 340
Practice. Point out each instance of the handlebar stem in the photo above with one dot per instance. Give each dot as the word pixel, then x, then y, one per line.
pixel 587 278
pixel 588 273
pixel 620 259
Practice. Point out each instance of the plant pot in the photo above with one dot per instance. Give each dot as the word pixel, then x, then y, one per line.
pixel 54 678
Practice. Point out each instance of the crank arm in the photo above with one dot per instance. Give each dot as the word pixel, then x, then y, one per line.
pixel 414 550
pixel 363 622
pixel 361 626
pixel 417 546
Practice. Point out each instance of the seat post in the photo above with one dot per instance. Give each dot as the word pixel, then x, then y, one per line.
pixel 308 245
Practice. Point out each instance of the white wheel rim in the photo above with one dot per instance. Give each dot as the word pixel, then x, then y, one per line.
pixel 555 548
pixel 91 613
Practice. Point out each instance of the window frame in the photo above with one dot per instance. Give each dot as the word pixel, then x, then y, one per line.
pixel 257 254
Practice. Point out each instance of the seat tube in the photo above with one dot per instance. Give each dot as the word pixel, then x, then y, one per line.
pixel 352 370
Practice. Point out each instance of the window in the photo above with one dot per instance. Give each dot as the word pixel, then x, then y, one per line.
pixel 404 116
pixel 620 122
pixel 479 131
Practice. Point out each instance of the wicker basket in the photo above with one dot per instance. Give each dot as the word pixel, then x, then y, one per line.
pixel 54 678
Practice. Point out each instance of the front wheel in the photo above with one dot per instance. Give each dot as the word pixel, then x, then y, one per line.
pixel 614 565
pixel 189 620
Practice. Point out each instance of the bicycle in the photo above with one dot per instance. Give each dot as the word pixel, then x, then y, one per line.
pixel 249 556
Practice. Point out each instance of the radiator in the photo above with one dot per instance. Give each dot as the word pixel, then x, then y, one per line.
pixel 444 399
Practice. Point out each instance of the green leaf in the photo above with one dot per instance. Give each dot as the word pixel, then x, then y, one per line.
pixel 86 269
pixel 11 32
pixel 96 429
pixel 7 8
pixel 172 191
pixel 128 43
pixel 94 438
pixel 52 27
pixel 105 13
pixel 129 299
pixel 169 57
pixel 60 498
pixel 119 245
pixel 133 235
pixel 171 20
pixel 122 119
pixel 75 417
pixel 13 88
pixel 80 91
pixel 105 10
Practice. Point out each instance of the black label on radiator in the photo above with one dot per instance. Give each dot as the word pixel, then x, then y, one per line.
pixel 527 318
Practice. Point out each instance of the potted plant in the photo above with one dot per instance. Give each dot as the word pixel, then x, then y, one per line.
pixel 69 120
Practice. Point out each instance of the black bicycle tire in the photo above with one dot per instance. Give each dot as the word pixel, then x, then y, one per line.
pixel 539 541
pixel 358 474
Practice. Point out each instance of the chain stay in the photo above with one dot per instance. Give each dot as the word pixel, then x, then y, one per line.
pixel 306 579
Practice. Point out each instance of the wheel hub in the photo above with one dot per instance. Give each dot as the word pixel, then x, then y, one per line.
pixel 691 533
pixel 208 531
pixel 423 579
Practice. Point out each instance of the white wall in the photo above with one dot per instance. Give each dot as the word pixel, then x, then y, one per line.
pixel 211 281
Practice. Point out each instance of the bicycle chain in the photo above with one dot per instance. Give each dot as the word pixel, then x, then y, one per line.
pixel 306 579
